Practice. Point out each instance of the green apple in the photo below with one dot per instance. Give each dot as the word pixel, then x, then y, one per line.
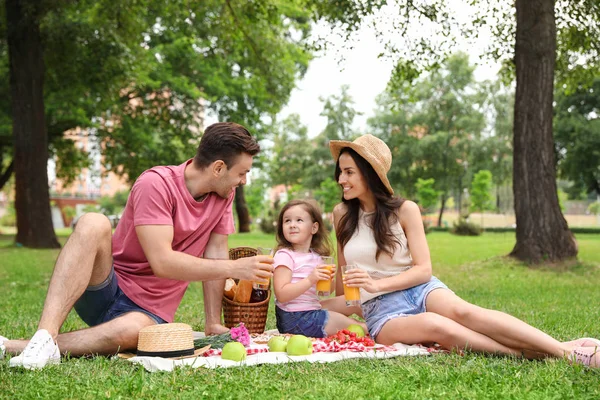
pixel 277 343
pixel 360 332
pixel 234 351
pixel 299 345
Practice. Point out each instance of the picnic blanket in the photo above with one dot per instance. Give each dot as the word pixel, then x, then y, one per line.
pixel 259 354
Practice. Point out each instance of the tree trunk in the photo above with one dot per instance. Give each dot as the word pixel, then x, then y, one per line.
pixel 32 197
pixel 442 206
pixel 6 174
pixel 497 198
pixel 542 232
pixel 459 195
pixel 242 210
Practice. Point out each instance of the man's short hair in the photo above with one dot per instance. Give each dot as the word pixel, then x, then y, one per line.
pixel 224 141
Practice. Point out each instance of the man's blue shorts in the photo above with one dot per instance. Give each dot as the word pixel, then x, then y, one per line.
pixel 106 301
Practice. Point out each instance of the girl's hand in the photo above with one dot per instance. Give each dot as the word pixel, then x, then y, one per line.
pixel 320 273
pixel 361 278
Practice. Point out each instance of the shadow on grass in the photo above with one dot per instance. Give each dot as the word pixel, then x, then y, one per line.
pixel 573 266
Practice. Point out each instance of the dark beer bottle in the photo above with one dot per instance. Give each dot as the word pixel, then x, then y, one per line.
pixel 258 295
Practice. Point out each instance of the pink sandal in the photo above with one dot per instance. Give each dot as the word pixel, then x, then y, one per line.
pixel 584 342
pixel 589 342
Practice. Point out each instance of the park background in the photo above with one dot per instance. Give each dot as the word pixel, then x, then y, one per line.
pixel 95 92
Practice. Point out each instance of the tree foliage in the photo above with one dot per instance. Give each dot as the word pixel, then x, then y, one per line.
pixel 115 204
pixel 577 137
pixel 142 75
pixel 426 194
pixel 340 113
pixel 559 35
pixel 431 127
pixel 328 195
pixel 290 156
pixel 480 192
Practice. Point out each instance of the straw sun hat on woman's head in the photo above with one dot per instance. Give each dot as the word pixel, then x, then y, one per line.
pixel 373 150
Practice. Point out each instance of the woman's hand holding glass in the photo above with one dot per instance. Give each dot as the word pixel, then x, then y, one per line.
pixel 361 279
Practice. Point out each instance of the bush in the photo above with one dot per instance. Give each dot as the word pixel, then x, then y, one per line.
pixel 267 225
pixel 426 224
pixel 465 228
pixel 10 218
pixel 327 222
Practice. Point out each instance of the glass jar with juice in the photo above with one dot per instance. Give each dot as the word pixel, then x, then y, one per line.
pixel 324 287
pixel 351 294
pixel 263 285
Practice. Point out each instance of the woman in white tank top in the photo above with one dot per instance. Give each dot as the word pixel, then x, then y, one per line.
pixel 401 300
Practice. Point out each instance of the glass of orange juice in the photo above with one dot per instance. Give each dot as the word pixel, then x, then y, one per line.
pixel 351 294
pixel 263 285
pixel 324 287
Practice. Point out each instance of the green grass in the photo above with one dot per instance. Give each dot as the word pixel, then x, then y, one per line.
pixel 563 303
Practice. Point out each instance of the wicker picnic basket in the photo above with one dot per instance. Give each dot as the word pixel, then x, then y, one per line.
pixel 253 315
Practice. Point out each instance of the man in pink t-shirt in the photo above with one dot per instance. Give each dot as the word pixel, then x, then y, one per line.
pixel 173 230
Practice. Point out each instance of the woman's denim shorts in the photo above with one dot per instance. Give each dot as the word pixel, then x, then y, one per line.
pixel 308 323
pixel 401 303
pixel 106 301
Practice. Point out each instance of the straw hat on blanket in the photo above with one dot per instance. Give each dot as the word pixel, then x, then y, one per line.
pixel 174 341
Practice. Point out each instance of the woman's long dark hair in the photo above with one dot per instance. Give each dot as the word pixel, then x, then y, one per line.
pixel 386 207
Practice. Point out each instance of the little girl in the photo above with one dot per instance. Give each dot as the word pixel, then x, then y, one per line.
pixel 302 240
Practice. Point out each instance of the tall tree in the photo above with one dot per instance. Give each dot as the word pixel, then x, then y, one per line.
pixel 480 192
pixel 392 124
pixel 25 52
pixel 542 231
pixel 451 121
pixel 494 152
pixel 340 113
pixel 432 128
pixel 328 194
pixel 541 237
pixel 290 155
pixel 145 103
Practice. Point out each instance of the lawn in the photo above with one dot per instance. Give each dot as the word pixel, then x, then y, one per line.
pixel 564 304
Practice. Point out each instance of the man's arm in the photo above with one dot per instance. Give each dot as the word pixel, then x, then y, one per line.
pixel 217 247
pixel 166 263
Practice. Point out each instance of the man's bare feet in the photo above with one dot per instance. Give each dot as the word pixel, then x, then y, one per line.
pixel 215 329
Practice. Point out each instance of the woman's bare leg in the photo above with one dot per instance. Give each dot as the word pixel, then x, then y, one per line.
pixel 501 327
pixel 430 327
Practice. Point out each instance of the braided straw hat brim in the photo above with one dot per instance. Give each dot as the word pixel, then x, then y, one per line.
pixel 373 150
pixel 174 341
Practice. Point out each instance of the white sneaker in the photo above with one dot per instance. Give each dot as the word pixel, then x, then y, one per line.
pixel 40 351
pixel 16 361
pixel 2 347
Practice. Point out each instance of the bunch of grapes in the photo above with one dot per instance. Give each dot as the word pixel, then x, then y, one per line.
pixel 345 336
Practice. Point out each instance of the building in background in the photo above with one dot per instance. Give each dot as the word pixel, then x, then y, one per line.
pixel 91 183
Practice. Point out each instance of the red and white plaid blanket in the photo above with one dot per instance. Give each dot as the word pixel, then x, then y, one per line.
pixel 334 347
pixel 319 346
